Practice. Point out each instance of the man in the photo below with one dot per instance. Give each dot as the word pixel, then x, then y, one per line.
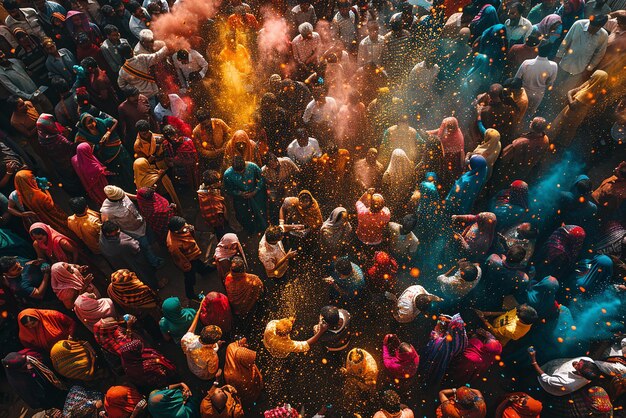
pixel 110 49
pixel 521 52
pixel 581 51
pixel 464 279
pixel 85 223
pixel 293 96
pixel 343 26
pixel 27 282
pixel 422 81
pixel 506 271
pixel 371 47
pixel 210 137
pixel 23 116
pixel 26 19
pixel 66 109
pixel 170 105
pixel 307 48
pixel 201 350
pixel 347 280
pixel 396 50
pixel 149 145
pixel 243 289
pixel 135 71
pixel 337 336
pixel 596 8
pixel 373 217
pixel 119 209
pixel 511 325
pixel 320 115
pixel 611 194
pixel 518 28
pixel 15 80
pixel 277 341
pixel 368 172
pixel 301 13
pixel 538 75
pixel 139 18
pixel 211 202
pixel 272 253
pixel 404 137
pixel 187 62
pixel 403 243
pixel 412 302
pixel 102 94
pixel 304 148
pixel 121 19
pixel 570 375
pixel 221 402
pixel 59 62
pixel 280 180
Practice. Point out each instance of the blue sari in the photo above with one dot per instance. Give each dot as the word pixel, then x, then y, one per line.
pixel 493 43
pixel 250 212
pixel 173 405
pixel 466 189
pixel 596 278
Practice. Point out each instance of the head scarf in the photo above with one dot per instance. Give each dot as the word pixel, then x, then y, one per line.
pixel 127 290
pixel 597 277
pixel 62 279
pixel 400 171
pixel 145 366
pixel 120 401
pixel 566 241
pixel 87 166
pixel 81 403
pixel 446 342
pixel 516 195
pixel 172 404
pixel 223 249
pixel 541 296
pixel 285 411
pixel 337 227
pixel 241 371
pixel 175 316
pixel 239 137
pixel 547 22
pixel 452 140
pixel 383 272
pixel 490 147
pixel 75 360
pixel 591 89
pixel 145 174
pixel 52 247
pixel 28 191
pixel 156 211
pixel 464 193
pixel 114 193
pixel 215 310
pixel 53 326
pixel 89 309
pixel 86 133
pixel 530 408
pixel 82 27
pixel 312 216
pixel 48 129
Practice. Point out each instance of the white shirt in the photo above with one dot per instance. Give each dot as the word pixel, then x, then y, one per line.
pixel 196 63
pixel 455 286
pixel 580 50
pixel 344 28
pixel 423 78
pixel 321 112
pixel 270 255
pixel 302 155
pixel 299 17
pixel 562 381
pixel 202 359
pixel 177 108
pixel 402 245
pixel 405 308
pixel 519 32
pixel 137 25
pixel 304 49
pixel 537 74
pixel 370 51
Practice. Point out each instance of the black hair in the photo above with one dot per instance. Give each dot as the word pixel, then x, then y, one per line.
pixel 78 204
pixel 109 227
pixel 423 302
pixel 203 114
pixel 589 370
pixel 527 314
pixel 6 263
pixel 38 231
pixel 176 223
pixel 302 133
pixel 533 40
pixel 407 224
pixel 518 6
pixel 390 401
pixel 60 85
pixel 273 233
pixel 343 266
pixel 10 5
pixel 130 91
pixel 88 62
pixel 270 156
pixel 210 334
pixel 238 163
pixel 237 265
pixel 182 54
pixel 109 29
pixel 515 254
pixel 469 272
pixel 169 131
pixel 544 50
pixel 142 125
pixel 125 51
pixel 132 6
pixel 330 314
pixel 210 177
pixel 584 187
pixel 512 83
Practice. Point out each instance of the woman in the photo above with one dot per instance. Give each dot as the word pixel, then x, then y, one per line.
pixel 82 403
pixel 398 180
pixel 215 310
pixel 175 401
pixel 301 210
pixel 241 371
pixel 400 359
pixel 561 251
pixel 131 293
pixel 541 296
pixel 477 79
pixel 146 367
pixel 473 363
pixel 228 247
pixel 147 176
pixel 593 276
pixel 58 148
pixel 447 341
pixel 571 11
pixel 31 197
pixel 241 144
pixel 51 245
pixel 580 101
pixel 486 17
pixel 453 144
pixel 176 320
pixel 108 148
pixel 519 405
pixel 361 373
pixel 36 384
pixel 184 156
pixel 156 210
pixel 489 149
pixel 511 205
pixel 123 402
pixel 75 360
pixel 59 33
pixel 549 30
pixel 91 172
pixel 78 22
pixel 477 237
pixel 335 233
pixel 466 189
pixel 577 205
pixel 461 403
pixel 381 276
pixel 40 329
pixel 111 336
pixel 68 282
pixel 244 183
pixel 89 309
pixel 494 44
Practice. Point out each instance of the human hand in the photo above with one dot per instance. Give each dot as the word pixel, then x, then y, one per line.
pixel 323 326
pixel 219 373
pixel 36 262
pixel 292 254
pixel 29 213
pixel 83 269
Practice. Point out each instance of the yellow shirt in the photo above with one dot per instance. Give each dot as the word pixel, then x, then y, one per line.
pixel 508 327
pixel 281 346
pixel 87 228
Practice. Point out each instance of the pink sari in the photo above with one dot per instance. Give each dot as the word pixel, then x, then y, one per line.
pixel 453 144
pixel 52 248
pixel 90 171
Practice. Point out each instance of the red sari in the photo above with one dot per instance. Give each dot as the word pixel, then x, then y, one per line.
pixel 53 326
pixel 215 310
pixel 91 172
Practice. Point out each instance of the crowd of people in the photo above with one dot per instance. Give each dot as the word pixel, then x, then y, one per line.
pixel 313 209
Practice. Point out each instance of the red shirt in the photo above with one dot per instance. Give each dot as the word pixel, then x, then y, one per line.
pixel 371 225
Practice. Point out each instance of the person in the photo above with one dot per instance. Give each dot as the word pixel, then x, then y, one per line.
pixel 89 309
pixel 174 401
pixel 51 138
pixel 182 154
pixel 489 149
pixel 361 374
pixel 145 367
pixel 243 181
pixel 272 252
pixel 510 325
pixel 373 217
pixel 279 344
pixel 215 310
pixel 368 172
pixel 147 176
pixel 508 270
pixel 302 12
pixel 110 49
pixel 91 172
pixel 52 246
pixel 477 237
pixel 461 402
pixel 280 174
pixel 399 358
pixel 210 137
pixel 304 148
pixel 520 404
pixel 110 335
pixel 136 107
pixel 541 10
pixel 156 210
pixel 176 319
pixel 459 285
pixel 40 329
pixel 346 282
pixel 518 28
pixel 135 71
pixel 131 293
pixel 452 142
pixel 564 376
pixel 241 144
pixel 123 402
pixel 537 75
pixel 85 223
pixel 243 289
pixel 26 282
pixel 228 247
pixel 401 136
pixel 337 336
pixel 391 407
pixel 336 233
pixel 413 301
pixel 201 350
pixel 186 62
pixel 307 48
pixel 403 243
pixel 149 145
pixel 221 402
pixel 75 360
pixel 465 191
pixel 371 47
pixel 119 209
pixel 611 193
pixel 301 210
pixel 36 384
pixel 241 371
pixel 67 282
pixel 15 79
pixel 397 180
pixel 382 274
pixel 561 251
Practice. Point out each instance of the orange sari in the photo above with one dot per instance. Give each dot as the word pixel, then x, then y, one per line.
pixel 241 372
